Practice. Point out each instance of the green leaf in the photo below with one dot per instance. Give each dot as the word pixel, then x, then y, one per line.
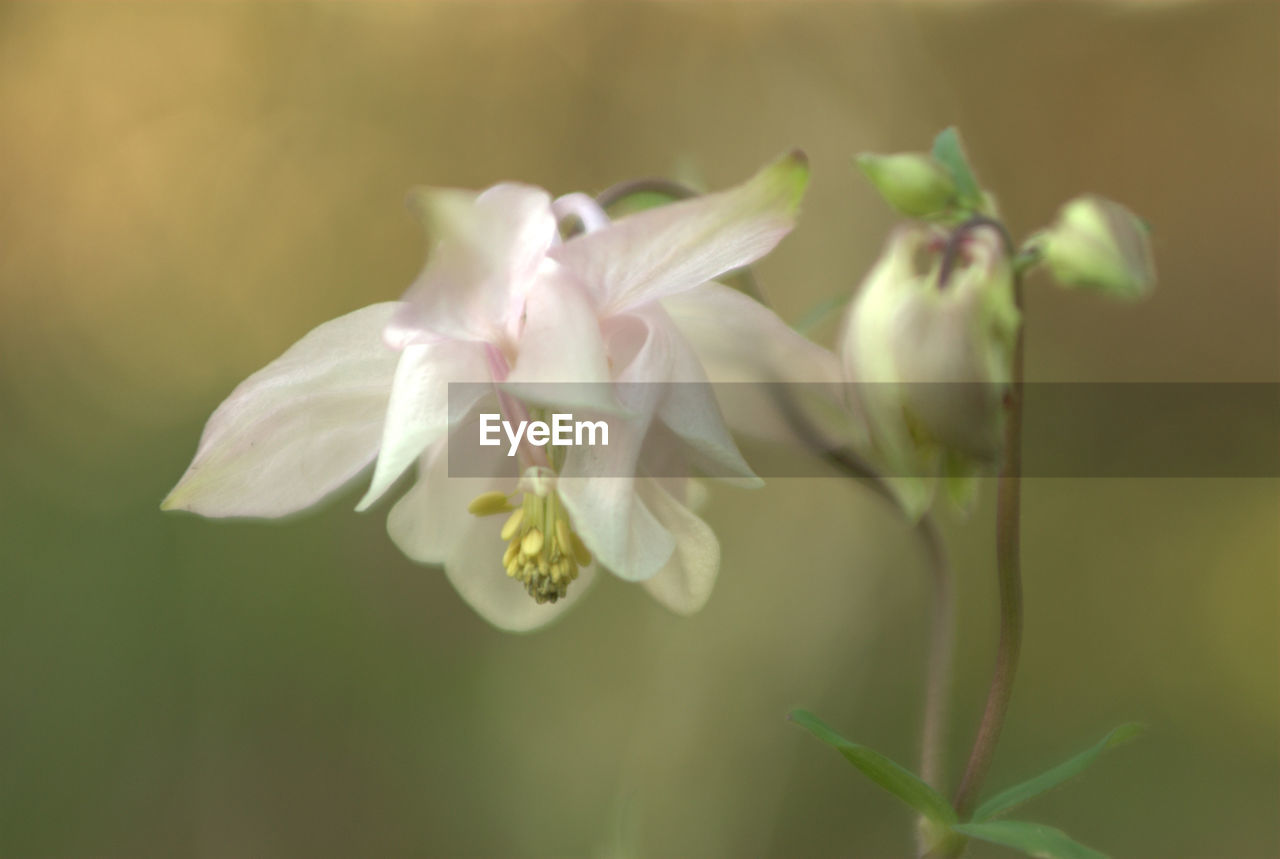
pixel 949 152
pixel 1034 839
pixel 1018 794
pixel 891 776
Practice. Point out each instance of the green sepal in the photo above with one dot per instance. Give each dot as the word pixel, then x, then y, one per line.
pixel 1068 769
pixel 1033 839
pixel 891 776
pixel 949 152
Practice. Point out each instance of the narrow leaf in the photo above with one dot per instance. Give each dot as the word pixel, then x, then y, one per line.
pixel 1034 839
pixel 949 152
pixel 891 776
pixel 1018 794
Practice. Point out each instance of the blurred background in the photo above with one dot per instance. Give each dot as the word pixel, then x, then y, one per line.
pixel 187 188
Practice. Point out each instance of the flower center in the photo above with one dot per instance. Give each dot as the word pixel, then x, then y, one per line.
pixel 543 552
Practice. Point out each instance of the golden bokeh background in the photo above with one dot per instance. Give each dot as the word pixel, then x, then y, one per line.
pixel 186 188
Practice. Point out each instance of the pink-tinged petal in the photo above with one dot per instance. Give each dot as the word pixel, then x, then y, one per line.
pixel 561 356
pixel 684 584
pixel 419 410
pixel 669 249
pixel 299 428
pixel 487 249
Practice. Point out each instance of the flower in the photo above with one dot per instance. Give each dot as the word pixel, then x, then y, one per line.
pixel 536 322
pixel 930 358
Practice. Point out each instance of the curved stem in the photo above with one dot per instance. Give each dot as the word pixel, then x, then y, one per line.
pixel 1008 571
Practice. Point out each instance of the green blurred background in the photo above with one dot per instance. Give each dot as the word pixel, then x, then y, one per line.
pixel 185 189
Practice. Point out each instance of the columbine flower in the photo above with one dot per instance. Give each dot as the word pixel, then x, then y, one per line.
pixel 503 302
pixel 931 358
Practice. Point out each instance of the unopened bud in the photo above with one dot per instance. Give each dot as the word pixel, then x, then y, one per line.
pixel 931 360
pixel 913 183
pixel 1100 245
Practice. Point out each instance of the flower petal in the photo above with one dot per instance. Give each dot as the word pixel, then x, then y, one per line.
pixel 297 429
pixel 475 570
pixel 748 353
pixel 597 483
pixel 431 525
pixel 688 405
pixel 669 249
pixel 597 487
pixel 488 247
pixel 738 339
pixel 428 520
pixel 420 409
pixel 684 585
pixel 561 358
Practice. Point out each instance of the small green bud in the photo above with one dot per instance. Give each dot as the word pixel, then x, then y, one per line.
pixel 1100 245
pixel 913 183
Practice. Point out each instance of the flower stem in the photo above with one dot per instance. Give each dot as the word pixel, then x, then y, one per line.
pixel 942 637
pixel 1008 571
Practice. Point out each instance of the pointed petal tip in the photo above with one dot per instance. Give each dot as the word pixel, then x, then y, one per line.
pixel 176 499
pixel 798 157
pixel 789 177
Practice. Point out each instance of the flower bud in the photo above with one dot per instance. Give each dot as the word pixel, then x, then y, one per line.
pixel 932 359
pixel 913 183
pixel 1100 245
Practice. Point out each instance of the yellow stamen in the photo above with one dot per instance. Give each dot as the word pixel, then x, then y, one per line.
pixel 513 524
pixel 531 545
pixel 488 504
pixel 580 553
pixel 543 552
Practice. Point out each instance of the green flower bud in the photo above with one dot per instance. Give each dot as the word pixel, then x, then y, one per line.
pixel 913 183
pixel 1100 245
pixel 932 360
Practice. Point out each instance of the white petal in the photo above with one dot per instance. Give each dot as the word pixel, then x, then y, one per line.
pixel 429 520
pixel 669 249
pixel 487 251
pixel 431 525
pixel 475 570
pixel 684 585
pixel 420 409
pixel 738 339
pixel 688 407
pixel 582 207
pixel 561 358
pixel 297 429
pixel 748 351
pixel 597 487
